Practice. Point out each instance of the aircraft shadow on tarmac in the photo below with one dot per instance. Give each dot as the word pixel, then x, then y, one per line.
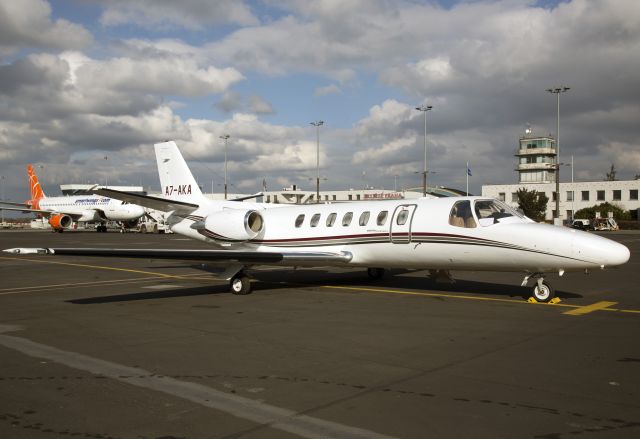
pixel 287 279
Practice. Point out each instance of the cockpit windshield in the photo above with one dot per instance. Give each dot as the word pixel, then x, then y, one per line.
pixel 493 211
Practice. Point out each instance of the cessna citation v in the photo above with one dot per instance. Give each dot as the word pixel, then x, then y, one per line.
pixel 63 211
pixel 439 234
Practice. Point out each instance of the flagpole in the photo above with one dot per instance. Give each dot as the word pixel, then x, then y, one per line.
pixel 467 172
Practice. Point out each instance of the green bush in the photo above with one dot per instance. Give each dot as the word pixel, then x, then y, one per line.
pixel 619 214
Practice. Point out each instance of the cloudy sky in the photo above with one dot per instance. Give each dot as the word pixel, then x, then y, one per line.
pixel 81 80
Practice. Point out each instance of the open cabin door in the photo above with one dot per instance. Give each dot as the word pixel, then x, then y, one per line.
pixel 400 227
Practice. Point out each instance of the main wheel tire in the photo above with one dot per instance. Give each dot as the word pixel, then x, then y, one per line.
pixel 240 285
pixel 143 229
pixel 375 273
pixel 544 294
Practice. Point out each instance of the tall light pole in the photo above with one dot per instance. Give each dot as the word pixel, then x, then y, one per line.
pixel 424 108
pixel 317 124
pixel 557 92
pixel 225 137
pixel 2 181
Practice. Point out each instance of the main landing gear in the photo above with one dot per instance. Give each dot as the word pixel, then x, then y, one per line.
pixel 542 290
pixel 240 284
pixel 375 273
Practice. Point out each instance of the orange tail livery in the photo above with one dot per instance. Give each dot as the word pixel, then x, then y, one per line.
pixel 36 190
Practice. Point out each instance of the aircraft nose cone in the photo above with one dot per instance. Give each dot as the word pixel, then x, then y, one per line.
pixel 617 254
pixel 602 251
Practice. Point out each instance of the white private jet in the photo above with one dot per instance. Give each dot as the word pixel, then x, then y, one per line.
pixel 61 212
pixel 439 234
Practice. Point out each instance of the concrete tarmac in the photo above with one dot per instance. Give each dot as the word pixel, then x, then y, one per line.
pixel 142 349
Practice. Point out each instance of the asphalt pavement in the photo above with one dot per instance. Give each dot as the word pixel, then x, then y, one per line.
pixel 141 349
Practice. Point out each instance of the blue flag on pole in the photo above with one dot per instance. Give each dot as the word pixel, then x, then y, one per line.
pixel 468 171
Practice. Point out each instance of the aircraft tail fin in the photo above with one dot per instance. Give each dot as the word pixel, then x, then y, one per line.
pixel 176 179
pixel 35 189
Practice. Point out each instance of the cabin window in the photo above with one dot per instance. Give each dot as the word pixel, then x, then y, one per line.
pixel 382 218
pixel 331 219
pixel 364 218
pixel 346 219
pixel 315 219
pixel 491 212
pixel 461 216
pixel 402 217
pixel 299 220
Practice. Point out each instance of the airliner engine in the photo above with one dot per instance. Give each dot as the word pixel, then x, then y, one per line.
pixel 234 225
pixel 60 221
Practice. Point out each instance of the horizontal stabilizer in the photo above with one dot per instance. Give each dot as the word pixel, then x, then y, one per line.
pixel 157 203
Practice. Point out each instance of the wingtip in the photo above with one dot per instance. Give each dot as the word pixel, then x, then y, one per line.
pixel 28 251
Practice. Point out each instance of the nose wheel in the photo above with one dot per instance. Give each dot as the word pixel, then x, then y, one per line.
pixel 542 290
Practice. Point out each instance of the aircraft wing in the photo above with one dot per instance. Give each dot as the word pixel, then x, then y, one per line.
pixel 157 203
pixel 28 210
pixel 12 203
pixel 240 256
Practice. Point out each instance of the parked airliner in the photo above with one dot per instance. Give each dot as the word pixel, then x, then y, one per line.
pixel 439 234
pixel 63 211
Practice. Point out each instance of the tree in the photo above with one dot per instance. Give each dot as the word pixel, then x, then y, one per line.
pixel 533 203
pixel 611 175
pixel 590 212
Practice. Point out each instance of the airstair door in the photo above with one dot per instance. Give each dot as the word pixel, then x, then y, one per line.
pixel 400 228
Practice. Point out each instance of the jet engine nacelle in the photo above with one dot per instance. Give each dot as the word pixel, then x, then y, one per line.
pixel 234 224
pixel 60 221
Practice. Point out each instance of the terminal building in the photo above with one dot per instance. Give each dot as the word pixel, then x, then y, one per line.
pixel 536 167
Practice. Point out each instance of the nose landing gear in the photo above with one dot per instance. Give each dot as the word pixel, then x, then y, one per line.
pixel 542 291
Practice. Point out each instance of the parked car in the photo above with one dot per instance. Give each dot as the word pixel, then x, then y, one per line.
pixel 581 224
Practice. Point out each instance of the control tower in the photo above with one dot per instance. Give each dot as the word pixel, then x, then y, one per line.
pixel 536 158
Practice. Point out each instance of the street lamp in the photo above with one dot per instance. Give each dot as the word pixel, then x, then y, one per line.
pixel 317 124
pixel 424 108
pixel 557 92
pixel 2 181
pixel 225 137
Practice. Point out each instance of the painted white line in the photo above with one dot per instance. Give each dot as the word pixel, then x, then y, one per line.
pixel 162 287
pixel 245 408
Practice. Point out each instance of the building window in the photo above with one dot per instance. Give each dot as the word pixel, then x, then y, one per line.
pixel 514 197
pixel 350 197
pixel 299 220
pixel 315 219
pixel 382 218
pixel 501 196
pixel 569 195
pixel 346 219
pixel 617 195
pixel 554 196
pixel 334 198
pixel 364 218
pixel 331 219
pixel 585 195
pixel 553 213
pixel 600 195
pixel 633 194
pixel 358 197
pixel 569 214
pixel 268 198
pixel 275 199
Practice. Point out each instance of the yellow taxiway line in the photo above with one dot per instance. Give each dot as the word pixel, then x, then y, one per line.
pixel 576 310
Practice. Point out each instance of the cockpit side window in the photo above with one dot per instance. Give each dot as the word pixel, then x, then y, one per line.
pixel 492 211
pixel 461 215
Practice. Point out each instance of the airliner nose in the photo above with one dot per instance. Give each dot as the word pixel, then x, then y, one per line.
pixel 137 211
